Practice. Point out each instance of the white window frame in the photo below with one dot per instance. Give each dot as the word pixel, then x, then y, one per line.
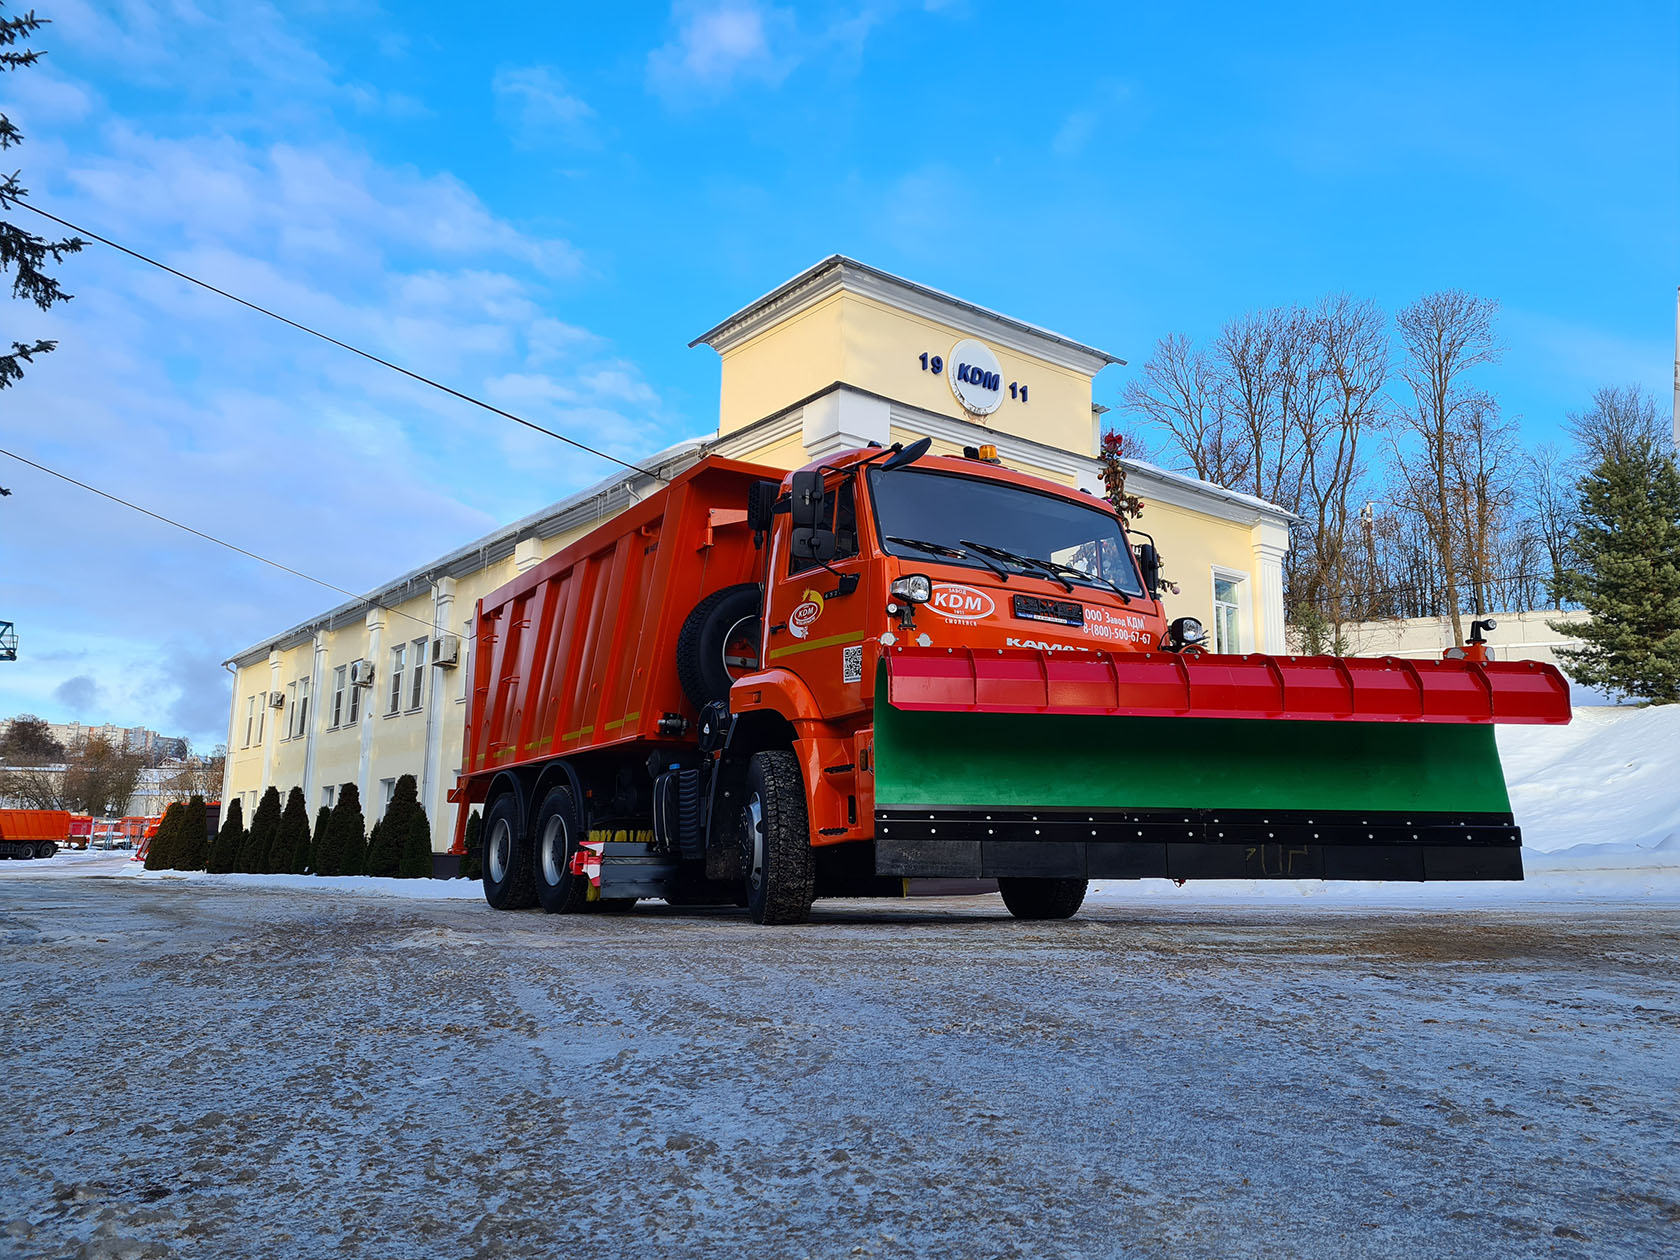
pixel 355 714
pixel 393 702
pixel 1243 608
pixel 387 789
pixel 291 712
pixel 300 724
pixel 250 718
pixel 417 687
pixel 341 678
pixel 329 795
pixel 262 714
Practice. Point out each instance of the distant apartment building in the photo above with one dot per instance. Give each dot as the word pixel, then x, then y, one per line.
pixel 138 739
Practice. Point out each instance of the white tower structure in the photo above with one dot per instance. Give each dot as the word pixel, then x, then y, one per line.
pixel 1677 366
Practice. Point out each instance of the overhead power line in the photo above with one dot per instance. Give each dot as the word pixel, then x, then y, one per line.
pixel 220 542
pixel 342 345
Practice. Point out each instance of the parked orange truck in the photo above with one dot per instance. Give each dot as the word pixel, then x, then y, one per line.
pixel 33 833
pixel 773 687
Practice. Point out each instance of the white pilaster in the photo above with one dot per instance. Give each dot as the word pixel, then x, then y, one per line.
pixel 270 736
pixel 842 419
pixel 1269 541
pixel 434 786
pixel 317 676
pixel 376 620
pixel 527 554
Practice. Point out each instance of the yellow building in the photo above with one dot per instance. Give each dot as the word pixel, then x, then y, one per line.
pixel 841 355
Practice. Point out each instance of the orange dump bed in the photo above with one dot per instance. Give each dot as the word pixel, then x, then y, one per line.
pixel 35 824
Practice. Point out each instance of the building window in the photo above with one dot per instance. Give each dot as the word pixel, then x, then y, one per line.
pixel 397 655
pixel 416 684
pixel 355 704
pixel 327 795
pixel 291 711
pixel 339 676
pixel 301 716
pixel 387 789
pixel 1227 614
pixel 262 713
pixel 250 718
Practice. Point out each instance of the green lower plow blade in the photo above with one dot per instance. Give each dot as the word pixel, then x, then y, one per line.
pixel 985 794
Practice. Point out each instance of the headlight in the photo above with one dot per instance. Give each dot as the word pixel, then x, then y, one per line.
pixel 916 588
pixel 1186 631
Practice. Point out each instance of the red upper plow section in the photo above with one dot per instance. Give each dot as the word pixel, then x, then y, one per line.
pixel 1166 684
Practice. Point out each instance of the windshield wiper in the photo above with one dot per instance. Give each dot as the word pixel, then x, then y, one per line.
pixel 940 549
pixel 1026 562
pixel 1088 576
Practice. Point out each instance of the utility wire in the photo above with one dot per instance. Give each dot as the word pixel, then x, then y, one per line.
pixel 342 345
pixel 220 542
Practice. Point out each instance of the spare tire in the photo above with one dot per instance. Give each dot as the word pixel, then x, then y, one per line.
pixel 719 643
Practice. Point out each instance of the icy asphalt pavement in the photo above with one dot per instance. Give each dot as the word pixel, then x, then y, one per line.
pixel 204 1071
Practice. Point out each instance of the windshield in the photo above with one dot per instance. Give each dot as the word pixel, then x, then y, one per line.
pixel 947 510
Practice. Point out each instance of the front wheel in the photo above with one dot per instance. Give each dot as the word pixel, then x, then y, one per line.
pixel 508 879
pixel 776 841
pixel 1043 898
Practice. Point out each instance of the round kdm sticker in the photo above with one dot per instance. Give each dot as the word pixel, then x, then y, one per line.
pixel 800 619
pixel 957 602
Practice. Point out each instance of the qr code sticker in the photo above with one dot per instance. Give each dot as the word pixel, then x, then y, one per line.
pixel 851 664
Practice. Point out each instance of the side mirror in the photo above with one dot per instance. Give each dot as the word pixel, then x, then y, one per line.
pixel 807 504
pixel 1149 560
pixel 761 505
pixel 812 543
pixel 907 455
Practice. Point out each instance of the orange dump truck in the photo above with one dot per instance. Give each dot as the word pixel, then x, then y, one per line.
pixel 771 687
pixel 33 833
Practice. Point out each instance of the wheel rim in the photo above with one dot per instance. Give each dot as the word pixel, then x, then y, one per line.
pixel 752 820
pixel 740 648
pixel 500 851
pixel 554 849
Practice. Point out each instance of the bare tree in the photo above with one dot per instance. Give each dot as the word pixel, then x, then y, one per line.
pixel 1445 336
pixel 1178 389
pixel 1481 458
pixel 1620 425
pixel 101 778
pixel 1546 486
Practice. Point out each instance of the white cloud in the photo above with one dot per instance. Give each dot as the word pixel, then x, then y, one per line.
pixel 716 45
pixel 534 102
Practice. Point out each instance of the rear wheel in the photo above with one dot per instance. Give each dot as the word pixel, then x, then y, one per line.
pixel 558 889
pixel 719 643
pixel 45 849
pixel 508 880
pixel 1043 898
pixel 776 841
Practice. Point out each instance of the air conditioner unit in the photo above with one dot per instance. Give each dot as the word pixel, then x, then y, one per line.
pixel 446 650
pixel 361 673
pixel 277 700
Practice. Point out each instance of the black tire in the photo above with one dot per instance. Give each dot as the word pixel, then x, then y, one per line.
pixel 1043 898
pixel 703 660
pixel 508 880
pixel 45 849
pixel 781 876
pixel 554 839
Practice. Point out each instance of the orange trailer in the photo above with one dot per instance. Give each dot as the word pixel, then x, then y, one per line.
pixel 33 833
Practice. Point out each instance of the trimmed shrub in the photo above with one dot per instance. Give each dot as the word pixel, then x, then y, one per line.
pixel 322 817
pixel 225 851
pixel 192 846
pixel 344 852
pixel 385 844
pixel 472 861
pixel 417 845
pixel 290 849
pixel 253 854
pixel 161 852
pixel 372 844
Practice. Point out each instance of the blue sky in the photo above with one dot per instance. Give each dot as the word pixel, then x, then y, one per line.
pixel 545 206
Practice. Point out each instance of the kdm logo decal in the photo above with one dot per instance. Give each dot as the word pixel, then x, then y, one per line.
pixel 802 617
pixel 956 602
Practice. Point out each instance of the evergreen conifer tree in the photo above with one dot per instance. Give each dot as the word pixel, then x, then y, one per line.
pixel 322 817
pixel 253 854
pixel 160 853
pixel 291 839
pixel 472 861
pixel 372 845
pixel 1626 573
pixel 417 845
pixel 225 851
pixel 192 848
pixel 344 851
pixel 385 844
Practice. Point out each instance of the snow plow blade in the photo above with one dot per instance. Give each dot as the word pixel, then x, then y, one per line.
pixel 1115 766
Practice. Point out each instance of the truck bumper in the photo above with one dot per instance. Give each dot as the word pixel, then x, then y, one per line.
pixel 973 843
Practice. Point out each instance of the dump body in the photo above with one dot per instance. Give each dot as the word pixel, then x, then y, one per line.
pixel 29 833
pixel 578 655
